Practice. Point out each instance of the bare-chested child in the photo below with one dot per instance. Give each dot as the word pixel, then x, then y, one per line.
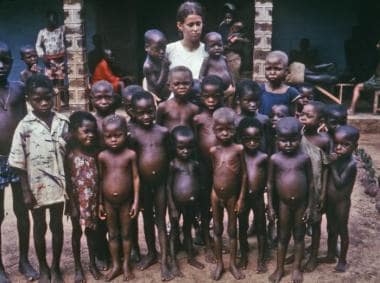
pixel 156 65
pixel 183 189
pixel 29 56
pixel 278 112
pixel 341 179
pixel 250 132
pixel 12 110
pixel 178 111
pixel 290 177
pixel 306 95
pixel 336 115
pixel 211 99
pixel 127 93
pixel 119 192
pixel 150 142
pixel 216 64
pixel 317 145
pixel 229 186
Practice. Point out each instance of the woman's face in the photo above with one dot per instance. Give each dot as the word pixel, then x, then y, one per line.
pixel 191 28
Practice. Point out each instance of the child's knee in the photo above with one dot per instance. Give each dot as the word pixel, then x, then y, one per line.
pixel 299 234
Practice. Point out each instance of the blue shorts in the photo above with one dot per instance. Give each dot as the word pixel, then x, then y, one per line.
pixel 7 174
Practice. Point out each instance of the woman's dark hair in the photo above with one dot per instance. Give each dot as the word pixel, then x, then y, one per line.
pixel 189 8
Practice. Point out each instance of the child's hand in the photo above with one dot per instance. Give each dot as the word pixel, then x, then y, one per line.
pixel 102 214
pixel 239 206
pixel 306 215
pixel 134 210
pixel 29 199
pixel 333 156
pixel 166 62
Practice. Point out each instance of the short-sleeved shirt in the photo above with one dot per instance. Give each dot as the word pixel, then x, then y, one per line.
pixel 268 99
pixel 178 55
pixel 40 151
pixel 51 43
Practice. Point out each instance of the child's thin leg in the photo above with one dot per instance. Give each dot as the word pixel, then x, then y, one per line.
pixel 205 201
pixel 343 212
pixel 75 243
pixel 174 235
pixel 101 245
pixel 113 240
pixel 91 245
pixel 23 228
pixel 315 239
pixel 135 250
pixel 160 210
pixel 243 227
pixel 232 233
pixel 284 226
pixel 188 218
pixel 125 223
pixel 39 231
pixel 332 234
pixel 261 232
pixel 56 228
pixel 3 276
pixel 217 217
pixel 299 244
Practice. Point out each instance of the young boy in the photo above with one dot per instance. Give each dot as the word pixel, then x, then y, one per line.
pixel 216 64
pixel 156 65
pixel 250 132
pixel 29 56
pixel 119 197
pixel 37 153
pixel 211 99
pixel 306 95
pixel 12 110
pixel 278 112
pixel 150 142
pixel 336 115
pixel 290 178
pixel 341 179
pixel 178 111
pixel 127 93
pixel 229 186
pixel 183 189
pixel 275 91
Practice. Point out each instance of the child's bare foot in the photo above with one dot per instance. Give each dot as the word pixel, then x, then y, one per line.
pixel 193 262
pixel 310 265
pixel 236 272
pixel 243 262
pixel 166 275
pixel 327 259
pixel 27 270
pixel 297 276
pixel 218 271
pixel 79 276
pixel 147 261
pixel 4 277
pixel 56 275
pixel 102 264
pixel 261 267
pixel 44 275
pixel 128 274
pixel 276 276
pixel 175 271
pixel 209 256
pixel 95 272
pixel 114 272
pixel 341 266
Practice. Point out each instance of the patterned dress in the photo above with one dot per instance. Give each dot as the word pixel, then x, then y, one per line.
pixel 84 180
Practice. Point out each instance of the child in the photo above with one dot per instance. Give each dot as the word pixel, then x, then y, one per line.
pixel 336 115
pixel 211 99
pixel 119 192
pixel 339 188
pixel 306 95
pixel 156 65
pixel 275 91
pixel 29 56
pixel 278 112
pixel 178 111
pixel 12 110
pixel 37 153
pixel 183 189
pixel 290 177
pixel 229 186
pixel 316 144
pixel 127 94
pixel 216 64
pixel 82 187
pixel 150 142
pixel 250 132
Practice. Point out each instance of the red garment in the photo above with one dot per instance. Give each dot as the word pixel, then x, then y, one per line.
pixel 104 72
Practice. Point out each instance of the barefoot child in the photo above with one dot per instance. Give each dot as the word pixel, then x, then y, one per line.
pixel 29 56
pixel 336 115
pixel 12 110
pixel 37 153
pixel 150 142
pixel 178 111
pixel 82 187
pixel 229 186
pixel 250 132
pixel 156 65
pixel 127 94
pixel 183 189
pixel 306 95
pixel 340 183
pixel 278 112
pixel 290 177
pixel 119 192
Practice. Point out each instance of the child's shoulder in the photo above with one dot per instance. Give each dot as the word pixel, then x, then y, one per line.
pixel 61 117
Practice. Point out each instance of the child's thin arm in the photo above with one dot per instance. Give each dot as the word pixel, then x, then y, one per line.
pixel 309 176
pixel 270 182
pixel 172 208
pixel 160 114
pixel 102 214
pixel 204 68
pixel 157 83
pixel 69 190
pixel 343 179
pixel 136 187
pixel 28 196
pixel 243 188
pixel 324 187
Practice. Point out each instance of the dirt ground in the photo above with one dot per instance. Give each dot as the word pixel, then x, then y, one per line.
pixel 363 255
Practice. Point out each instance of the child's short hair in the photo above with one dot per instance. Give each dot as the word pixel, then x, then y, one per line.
pixel 141 95
pixel 288 126
pixel 247 84
pixel 5 51
pixel 282 107
pixel 76 119
pixel 249 122
pixel 189 8
pixel 178 69
pixel 224 115
pixel 25 49
pixel 102 83
pixel 130 91
pixel 350 132
pixel 319 107
pixel 336 108
pixel 181 130
pixel 153 35
pixel 280 55
pixel 37 80
pixel 115 119
pixel 304 86
pixel 213 80
pixel 210 34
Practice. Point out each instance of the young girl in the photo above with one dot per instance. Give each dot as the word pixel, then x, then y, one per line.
pixel 82 186
pixel 189 51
